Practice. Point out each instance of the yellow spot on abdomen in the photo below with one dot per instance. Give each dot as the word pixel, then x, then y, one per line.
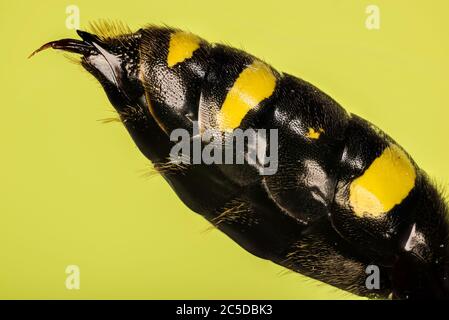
pixel 254 84
pixel 182 46
pixel 386 182
pixel 312 134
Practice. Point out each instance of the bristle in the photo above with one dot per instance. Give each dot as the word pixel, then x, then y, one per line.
pixel 442 190
pixel 236 211
pixel 149 172
pixel 167 168
pixel 73 59
pixel 106 29
pixel 110 120
pixel 285 272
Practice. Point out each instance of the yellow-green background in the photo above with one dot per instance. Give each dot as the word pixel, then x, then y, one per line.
pixel 71 190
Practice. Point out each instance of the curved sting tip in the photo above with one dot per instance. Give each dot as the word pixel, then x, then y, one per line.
pixel 70 45
pixel 43 47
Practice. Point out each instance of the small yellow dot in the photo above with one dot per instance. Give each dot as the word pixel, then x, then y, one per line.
pixel 312 134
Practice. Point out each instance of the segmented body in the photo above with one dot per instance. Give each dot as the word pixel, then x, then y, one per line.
pixel 327 157
pixel 344 195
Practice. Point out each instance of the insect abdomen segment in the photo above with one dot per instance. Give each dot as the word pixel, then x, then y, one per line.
pixel 344 194
pixel 225 88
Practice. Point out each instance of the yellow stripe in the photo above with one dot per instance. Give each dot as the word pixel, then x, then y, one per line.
pixel 386 182
pixel 182 46
pixel 253 85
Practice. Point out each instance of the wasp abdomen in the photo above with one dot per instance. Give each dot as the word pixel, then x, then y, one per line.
pixel 343 195
pixel 232 89
pixel 331 163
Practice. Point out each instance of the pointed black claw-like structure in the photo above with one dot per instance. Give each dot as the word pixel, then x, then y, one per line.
pixel 69 45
